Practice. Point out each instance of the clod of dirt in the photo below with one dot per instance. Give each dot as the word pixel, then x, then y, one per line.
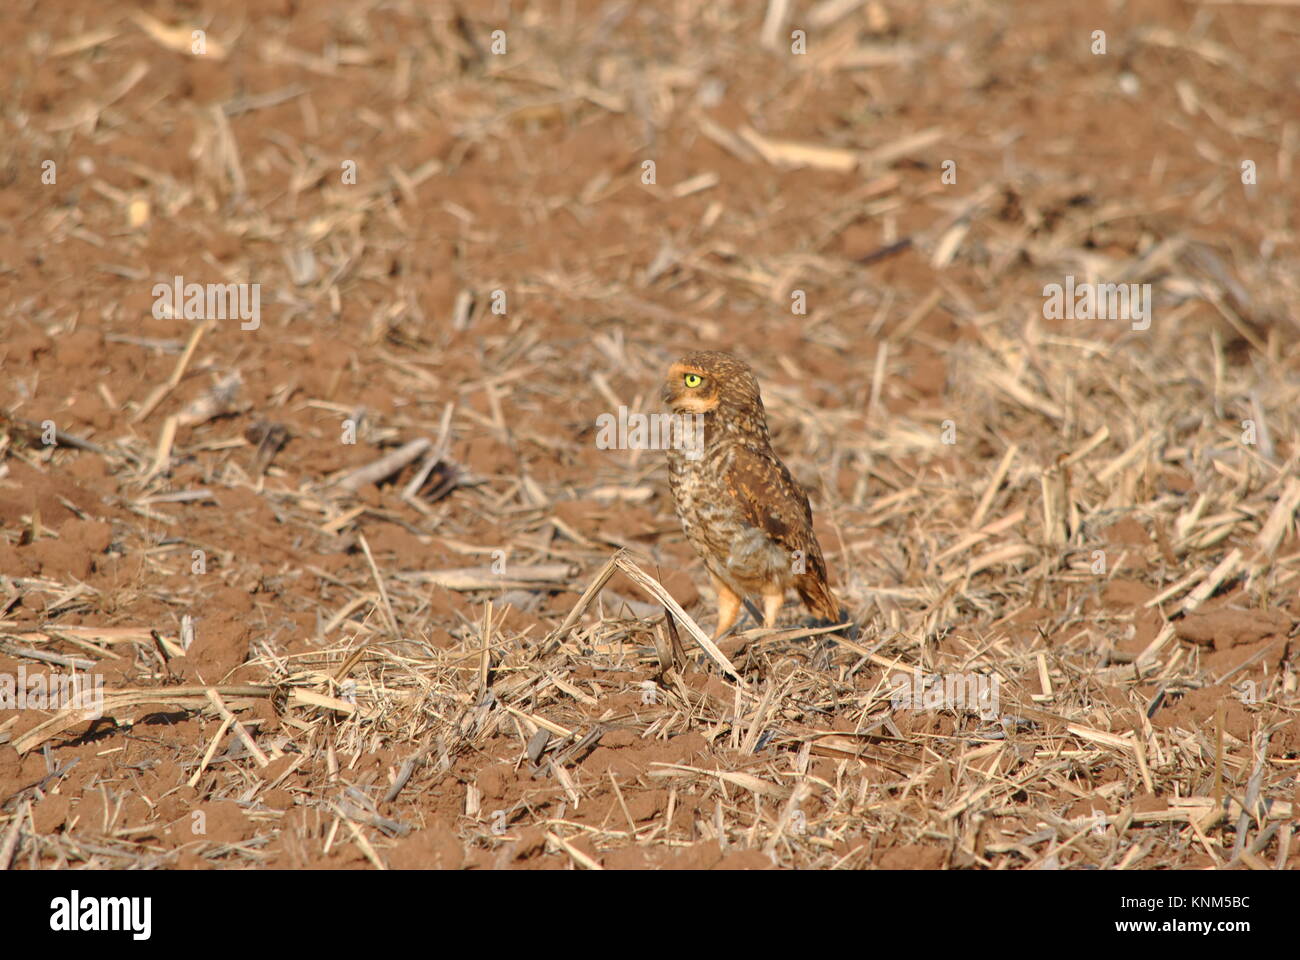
pixel 1224 629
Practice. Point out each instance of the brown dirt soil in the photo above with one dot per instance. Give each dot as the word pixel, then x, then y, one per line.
pixel 461 246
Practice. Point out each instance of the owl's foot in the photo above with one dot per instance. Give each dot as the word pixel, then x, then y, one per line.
pixel 772 602
pixel 728 608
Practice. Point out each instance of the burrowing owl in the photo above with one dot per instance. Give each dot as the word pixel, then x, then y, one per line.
pixel 742 511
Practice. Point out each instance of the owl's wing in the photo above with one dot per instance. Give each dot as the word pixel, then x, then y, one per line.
pixel 771 501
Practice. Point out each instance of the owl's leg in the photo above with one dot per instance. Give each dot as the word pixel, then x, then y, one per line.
pixel 772 601
pixel 728 606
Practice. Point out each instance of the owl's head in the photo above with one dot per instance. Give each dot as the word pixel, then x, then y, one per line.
pixel 711 380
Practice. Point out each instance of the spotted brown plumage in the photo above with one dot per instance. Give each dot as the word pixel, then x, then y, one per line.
pixel 743 513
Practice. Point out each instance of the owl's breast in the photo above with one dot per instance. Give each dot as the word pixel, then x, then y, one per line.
pixel 710 516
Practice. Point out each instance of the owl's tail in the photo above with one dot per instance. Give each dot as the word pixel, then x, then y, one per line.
pixel 817 597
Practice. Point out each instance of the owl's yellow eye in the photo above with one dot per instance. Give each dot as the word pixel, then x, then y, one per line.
pixel 692 380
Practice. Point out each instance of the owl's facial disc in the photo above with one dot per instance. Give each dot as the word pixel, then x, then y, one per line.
pixel 689 389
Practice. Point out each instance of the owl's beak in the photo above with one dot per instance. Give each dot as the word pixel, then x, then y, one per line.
pixel 669 393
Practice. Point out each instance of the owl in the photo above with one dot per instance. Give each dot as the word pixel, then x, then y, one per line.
pixel 741 510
